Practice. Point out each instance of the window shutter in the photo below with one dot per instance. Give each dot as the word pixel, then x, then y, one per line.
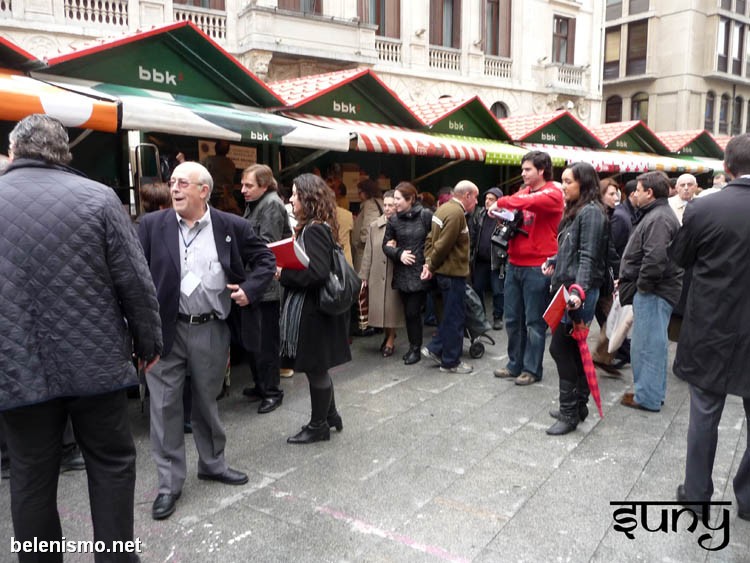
pixel 456 39
pixel 571 41
pixel 436 22
pixel 392 18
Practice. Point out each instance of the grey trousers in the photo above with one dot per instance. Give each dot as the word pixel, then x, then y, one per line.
pixel 702 438
pixel 201 351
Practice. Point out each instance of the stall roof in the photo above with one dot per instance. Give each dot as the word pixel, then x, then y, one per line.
pixel 496 152
pixel 356 94
pixel 620 161
pixel 179 59
pixel 22 95
pixel 467 117
pixel 697 142
pixel 629 136
pixel 556 128
pixel 377 137
pixel 722 141
pixel 150 110
pixel 14 57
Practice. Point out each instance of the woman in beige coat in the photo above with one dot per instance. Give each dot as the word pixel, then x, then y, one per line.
pixel 370 208
pixel 376 272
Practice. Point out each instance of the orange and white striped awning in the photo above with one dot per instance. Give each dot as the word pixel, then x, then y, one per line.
pixel 376 137
pixel 22 95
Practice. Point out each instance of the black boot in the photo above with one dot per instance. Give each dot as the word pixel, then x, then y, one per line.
pixel 413 356
pixel 317 430
pixel 568 420
pixel 334 418
pixel 583 412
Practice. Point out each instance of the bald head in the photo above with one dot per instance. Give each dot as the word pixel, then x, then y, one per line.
pixel 467 193
pixel 686 187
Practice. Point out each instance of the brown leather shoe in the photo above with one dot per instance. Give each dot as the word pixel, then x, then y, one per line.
pixel 608 369
pixel 628 400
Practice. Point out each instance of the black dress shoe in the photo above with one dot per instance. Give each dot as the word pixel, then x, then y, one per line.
pixel 697 508
pixel 72 461
pixel 164 506
pixel 187 427
pixel 229 477
pixel 334 421
pixel 369 331
pixel 310 434
pixel 270 404
pixel 413 356
pixel 252 394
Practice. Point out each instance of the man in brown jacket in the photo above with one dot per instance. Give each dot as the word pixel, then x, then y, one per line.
pixel 446 254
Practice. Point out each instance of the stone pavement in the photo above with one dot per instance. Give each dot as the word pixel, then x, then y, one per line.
pixel 430 467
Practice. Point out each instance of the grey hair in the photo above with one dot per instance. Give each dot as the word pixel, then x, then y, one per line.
pixel 40 137
pixel 4 163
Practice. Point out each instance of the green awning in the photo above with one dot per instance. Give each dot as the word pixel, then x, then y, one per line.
pixel 497 152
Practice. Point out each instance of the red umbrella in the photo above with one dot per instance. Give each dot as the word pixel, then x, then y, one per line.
pixel 580 333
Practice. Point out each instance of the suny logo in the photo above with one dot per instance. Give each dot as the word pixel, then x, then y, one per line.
pixel 344 107
pixel 157 76
pixel 455 125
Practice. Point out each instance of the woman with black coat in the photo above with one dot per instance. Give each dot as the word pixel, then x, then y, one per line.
pixel 403 243
pixel 312 341
pixel 580 264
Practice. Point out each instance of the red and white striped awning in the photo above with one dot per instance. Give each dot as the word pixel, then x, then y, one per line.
pixel 376 137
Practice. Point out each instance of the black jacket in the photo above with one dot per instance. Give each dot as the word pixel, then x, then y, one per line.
pixel 76 297
pixel 582 249
pixel 645 259
pixel 478 221
pixel 409 229
pixel 714 347
pixel 621 223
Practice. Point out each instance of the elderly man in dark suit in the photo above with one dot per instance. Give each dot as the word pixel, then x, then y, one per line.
pixel 202 260
pixel 714 347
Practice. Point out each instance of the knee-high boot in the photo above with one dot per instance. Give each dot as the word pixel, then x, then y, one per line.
pixel 334 418
pixel 582 392
pixel 568 420
pixel 317 429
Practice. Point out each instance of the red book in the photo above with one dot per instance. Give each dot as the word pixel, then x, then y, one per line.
pixel 289 254
pixel 556 309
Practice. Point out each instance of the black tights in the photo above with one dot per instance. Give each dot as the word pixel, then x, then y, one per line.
pixel 321 397
pixel 413 305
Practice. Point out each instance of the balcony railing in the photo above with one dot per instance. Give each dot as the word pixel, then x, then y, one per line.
pixel 211 22
pixel 497 67
pixel 103 12
pixel 443 58
pixel 389 50
pixel 570 76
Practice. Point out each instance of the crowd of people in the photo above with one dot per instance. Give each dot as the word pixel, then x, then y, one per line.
pixel 89 310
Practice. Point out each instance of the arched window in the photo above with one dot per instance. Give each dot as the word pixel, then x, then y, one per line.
pixel 724 115
pixel 639 106
pixel 737 115
pixel 613 111
pixel 708 121
pixel 499 110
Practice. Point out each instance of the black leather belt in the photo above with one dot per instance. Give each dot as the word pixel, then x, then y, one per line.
pixel 197 319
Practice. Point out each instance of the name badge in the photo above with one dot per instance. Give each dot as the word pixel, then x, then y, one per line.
pixel 189 284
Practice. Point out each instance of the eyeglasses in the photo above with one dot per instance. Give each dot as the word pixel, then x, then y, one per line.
pixel 182 183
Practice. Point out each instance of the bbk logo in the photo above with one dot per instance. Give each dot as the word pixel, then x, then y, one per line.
pixel 549 137
pixel 157 76
pixel 455 125
pixel 344 107
pixel 259 136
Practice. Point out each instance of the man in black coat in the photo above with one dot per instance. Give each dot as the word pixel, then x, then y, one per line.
pixel 623 218
pixel 205 263
pixel 76 301
pixel 714 347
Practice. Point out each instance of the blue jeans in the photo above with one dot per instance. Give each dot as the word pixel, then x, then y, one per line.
pixel 526 298
pixel 484 278
pixel 649 347
pixel 448 342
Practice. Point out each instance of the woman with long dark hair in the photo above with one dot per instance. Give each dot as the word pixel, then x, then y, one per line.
pixel 580 266
pixel 403 243
pixel 312 341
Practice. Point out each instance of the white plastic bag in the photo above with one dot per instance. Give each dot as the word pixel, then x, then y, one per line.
pixel 619 323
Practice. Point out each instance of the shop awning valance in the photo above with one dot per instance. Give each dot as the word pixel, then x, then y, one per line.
pixel 376 137
pixel 496 152
pixel 22 95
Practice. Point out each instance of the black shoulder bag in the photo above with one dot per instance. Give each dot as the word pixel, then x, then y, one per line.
pixel 342 287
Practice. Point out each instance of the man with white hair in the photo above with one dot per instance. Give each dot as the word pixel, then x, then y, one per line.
pixel 686 188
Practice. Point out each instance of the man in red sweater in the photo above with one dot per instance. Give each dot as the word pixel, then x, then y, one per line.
pixel 526 288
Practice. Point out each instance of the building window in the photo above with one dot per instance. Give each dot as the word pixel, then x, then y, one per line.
pixel 638 6
pixel 737 48
pixel 722 45
pixel 724 115
pixel 747 123
pixel 725 4
pixel 497 28
pixel 612 52
pixel 445 23
pixel 737 115
pixel 639 107
pixel 304 6
pixel 637 48
pixel 209 4
pixel 386 14
pixel 739 6
pixel 499 110
pixel 614 9
pixel 708 122
pixel 563 40
pixel 613 112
